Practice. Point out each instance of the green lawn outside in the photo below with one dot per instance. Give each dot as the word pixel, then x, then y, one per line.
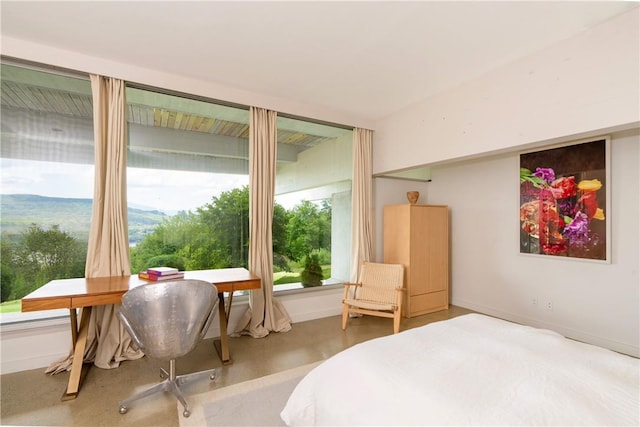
pixel 283 277
pixel 11 306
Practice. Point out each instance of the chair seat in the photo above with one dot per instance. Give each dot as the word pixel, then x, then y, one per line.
pixel 370 305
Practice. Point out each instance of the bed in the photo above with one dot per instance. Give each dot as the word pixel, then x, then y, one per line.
pixel 469 370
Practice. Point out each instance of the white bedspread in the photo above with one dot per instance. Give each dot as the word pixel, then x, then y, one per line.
pixel 470 370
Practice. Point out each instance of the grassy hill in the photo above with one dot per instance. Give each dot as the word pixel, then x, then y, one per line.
pixel 19 211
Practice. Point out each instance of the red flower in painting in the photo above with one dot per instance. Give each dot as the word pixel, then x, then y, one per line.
pixel 549 213
pixel 564 187
pixel 554 248
pixel 589 203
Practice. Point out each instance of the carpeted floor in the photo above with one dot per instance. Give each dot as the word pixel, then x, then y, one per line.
pixel 257 402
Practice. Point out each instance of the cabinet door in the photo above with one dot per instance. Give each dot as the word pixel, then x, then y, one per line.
pixel 418 247
pixel 396 235
pixel 437 250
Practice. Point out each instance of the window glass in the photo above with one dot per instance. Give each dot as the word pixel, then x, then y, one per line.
pixel 187 182
pixel 312 218
pixel 46 166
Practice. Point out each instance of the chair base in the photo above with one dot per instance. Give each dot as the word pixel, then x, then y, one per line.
pixel 350 311
pixel 172 383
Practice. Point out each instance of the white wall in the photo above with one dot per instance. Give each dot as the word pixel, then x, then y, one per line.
pixel 592 301
pixel 388 191
pixel 586 85
pixel 577 87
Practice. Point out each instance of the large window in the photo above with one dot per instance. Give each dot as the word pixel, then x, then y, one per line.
pixel 46 168
pixel 187 186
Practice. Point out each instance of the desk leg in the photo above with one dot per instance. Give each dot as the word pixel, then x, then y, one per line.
pixel 74 326
pixel 79 346
pixel 222 345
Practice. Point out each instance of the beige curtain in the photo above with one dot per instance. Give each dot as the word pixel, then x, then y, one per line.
pixel 265 313
pixel 108 252
pixel 361 202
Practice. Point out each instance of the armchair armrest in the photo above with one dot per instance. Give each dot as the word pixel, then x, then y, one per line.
pixel 347 285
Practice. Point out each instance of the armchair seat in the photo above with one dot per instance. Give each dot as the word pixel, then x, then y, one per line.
pixel 370 305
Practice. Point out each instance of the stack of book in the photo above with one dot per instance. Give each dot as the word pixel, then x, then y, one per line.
pixel 161 273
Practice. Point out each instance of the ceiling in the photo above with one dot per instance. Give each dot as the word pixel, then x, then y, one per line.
pixel 368 59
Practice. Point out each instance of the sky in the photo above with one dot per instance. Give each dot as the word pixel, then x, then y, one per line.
pixel 163 190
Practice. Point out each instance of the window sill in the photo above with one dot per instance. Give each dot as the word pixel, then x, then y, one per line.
pixel 33 320
pixel 294 288
pixel 39 319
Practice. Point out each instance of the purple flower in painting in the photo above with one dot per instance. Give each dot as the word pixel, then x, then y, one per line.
pixel 578 230
pixel 567 207
pixel 546 174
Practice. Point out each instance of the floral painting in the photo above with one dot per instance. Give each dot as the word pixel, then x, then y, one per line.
pixel 563 201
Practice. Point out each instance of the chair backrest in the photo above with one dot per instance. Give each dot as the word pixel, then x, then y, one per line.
pixel 168 319
pixel 380 282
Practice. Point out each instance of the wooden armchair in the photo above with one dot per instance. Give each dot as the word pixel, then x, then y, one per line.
pixel 379 293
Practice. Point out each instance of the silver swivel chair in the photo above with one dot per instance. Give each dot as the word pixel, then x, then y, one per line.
pixel 167 320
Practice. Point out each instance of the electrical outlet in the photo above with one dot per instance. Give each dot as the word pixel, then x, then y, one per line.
pixel 549 305
pixel 534 301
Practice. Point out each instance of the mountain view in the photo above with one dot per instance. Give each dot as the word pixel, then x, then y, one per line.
pixel 72 215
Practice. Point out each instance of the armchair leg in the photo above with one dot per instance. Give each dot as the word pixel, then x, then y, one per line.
pixel 345 316
pixel 396 322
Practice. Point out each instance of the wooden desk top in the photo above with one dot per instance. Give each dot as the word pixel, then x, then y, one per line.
pixel 82 292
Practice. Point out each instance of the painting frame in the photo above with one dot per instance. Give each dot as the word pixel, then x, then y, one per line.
pixel 565 201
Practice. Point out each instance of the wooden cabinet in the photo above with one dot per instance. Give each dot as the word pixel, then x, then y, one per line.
pixel 417 236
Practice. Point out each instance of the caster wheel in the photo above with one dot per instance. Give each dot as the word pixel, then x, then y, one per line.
pixel 186 414
pixel 123 410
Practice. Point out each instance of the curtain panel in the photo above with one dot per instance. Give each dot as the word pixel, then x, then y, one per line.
pixel 265 313
pixel 108 252
pixel 361 202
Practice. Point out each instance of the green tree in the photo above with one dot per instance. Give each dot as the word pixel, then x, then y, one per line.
pixel 7 275
pixel 279 235
pixel 308 228
pixel 42 255
pixel 312 273
pixel 226 218
pixel 165 245
pixel 324 225
pixel 216 235
pixel 7 278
